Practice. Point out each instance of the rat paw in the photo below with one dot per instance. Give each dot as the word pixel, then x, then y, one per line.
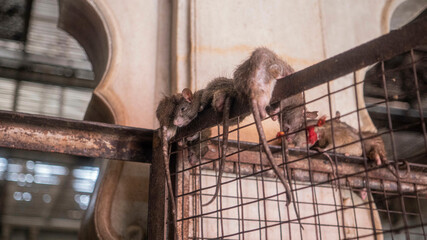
pixel 378 155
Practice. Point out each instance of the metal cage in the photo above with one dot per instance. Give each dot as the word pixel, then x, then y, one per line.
pixel 328 188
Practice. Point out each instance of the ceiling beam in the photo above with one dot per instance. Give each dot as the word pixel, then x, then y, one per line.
pixel 47 70
pixel 45 78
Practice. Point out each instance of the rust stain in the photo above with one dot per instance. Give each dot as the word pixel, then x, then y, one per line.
pixel 183 58
pixel 74 142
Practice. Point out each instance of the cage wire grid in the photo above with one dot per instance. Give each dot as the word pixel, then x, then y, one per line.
pixel 337 196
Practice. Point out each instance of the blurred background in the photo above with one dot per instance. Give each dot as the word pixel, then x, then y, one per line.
pixel 43 70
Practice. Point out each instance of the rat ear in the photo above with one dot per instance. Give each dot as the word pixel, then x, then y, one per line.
pixel 338 116
pixel 275 71
pixel 187 94
pixel 311 115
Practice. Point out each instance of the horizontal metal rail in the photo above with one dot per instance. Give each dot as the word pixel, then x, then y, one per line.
pixel 379 49
pixel 80 138
pixel 350 169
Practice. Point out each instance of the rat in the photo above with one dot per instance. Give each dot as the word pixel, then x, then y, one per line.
pixel 198 146
pixel 172 112
pixel 290 112
pixel 318 136
pixel 294 108
pixel 400 78
pixel 254 81
pixel 177 110
pixel 319 132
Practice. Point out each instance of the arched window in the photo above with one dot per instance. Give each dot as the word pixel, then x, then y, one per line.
pixel 43 70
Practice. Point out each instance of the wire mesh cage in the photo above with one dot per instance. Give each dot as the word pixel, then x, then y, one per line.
pixel 359 183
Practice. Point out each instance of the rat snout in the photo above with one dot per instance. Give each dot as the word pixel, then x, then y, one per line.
pixel 286 127
pixel 180 121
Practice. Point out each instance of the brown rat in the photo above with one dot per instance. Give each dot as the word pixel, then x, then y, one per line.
pixel 291 108
pixel 320 132
pixel 318 135
pixel 254 81
pixel 172 112
pixel 291 117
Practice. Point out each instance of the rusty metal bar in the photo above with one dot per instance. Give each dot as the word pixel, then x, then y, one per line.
pixel 379 178
pixel 379 49
pixel 80 138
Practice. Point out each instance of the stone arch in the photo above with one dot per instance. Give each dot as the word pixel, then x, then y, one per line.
pixel 397 13
pixel 132 65
pixel 84 21
pixel 89 24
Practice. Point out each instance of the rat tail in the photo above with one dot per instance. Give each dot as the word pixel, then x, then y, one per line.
pixel 225 126
pixel 165 149
pixel 260 129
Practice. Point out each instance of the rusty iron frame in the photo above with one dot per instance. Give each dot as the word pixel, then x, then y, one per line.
pixel 311 169
pixel 350 168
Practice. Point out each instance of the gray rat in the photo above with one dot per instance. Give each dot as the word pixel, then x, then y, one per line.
pixel 172 112
pixel 291 117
